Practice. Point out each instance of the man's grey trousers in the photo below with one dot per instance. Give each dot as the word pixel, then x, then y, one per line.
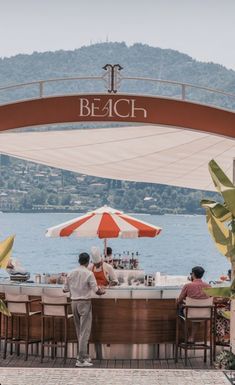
pixel 82 313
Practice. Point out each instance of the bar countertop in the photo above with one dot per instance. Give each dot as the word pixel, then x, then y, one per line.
pixel 119 292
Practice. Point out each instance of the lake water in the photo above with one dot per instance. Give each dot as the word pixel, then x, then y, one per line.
pixel 183 243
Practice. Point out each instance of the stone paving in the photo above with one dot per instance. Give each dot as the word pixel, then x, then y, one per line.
pixel 91 376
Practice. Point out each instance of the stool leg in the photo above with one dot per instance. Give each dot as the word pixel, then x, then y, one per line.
pixel 18 336
pixel 211 341
pixel 11 335
pixel 186 342
pixel 53 339
pixel 27 339
pixel 65 338
pixel 6 336
pixel 42 338
pixel 176 339
pixel 214 337
pixel 205 340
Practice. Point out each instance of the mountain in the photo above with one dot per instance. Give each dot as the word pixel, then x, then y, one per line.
pixel 137 60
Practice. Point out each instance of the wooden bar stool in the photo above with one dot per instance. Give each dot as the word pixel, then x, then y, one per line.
pixel 55 310
pixel 20 308
pixel 196 311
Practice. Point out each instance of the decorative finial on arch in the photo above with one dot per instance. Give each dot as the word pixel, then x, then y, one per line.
pixel 113 76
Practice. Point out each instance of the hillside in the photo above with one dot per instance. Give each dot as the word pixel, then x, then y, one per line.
pixel 137 60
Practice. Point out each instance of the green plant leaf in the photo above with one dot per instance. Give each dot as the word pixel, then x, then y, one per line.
pixel 217 209
pixel 223 185
pixel 224 292
pixel 223 237
pixel 226 314
pixel 5 251
pixel 3 309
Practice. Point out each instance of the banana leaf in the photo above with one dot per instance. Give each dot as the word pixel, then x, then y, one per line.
pixel 223 237
pixel 224 292
pixel 223 185
pixel 5 251
pixel 3 308
pixel 226 314
pixel 217 209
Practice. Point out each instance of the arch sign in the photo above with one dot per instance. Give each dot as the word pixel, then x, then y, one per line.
pixel 117 108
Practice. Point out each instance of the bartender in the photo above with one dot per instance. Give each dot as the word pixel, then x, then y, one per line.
pixel 103 272
pixel 109 255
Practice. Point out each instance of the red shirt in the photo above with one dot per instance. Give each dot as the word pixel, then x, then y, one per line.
pixel 194 290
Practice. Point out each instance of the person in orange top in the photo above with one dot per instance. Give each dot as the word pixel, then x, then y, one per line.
pixel 103 272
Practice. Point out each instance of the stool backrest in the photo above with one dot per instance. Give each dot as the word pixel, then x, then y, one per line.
pixel 17 303
pixel 54 306
pixel 199 308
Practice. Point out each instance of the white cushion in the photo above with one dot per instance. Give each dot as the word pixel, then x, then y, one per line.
pixel 55 310
pixel 16 307
pixel 203 312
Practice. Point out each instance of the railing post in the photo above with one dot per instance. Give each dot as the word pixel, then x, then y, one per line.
pixel 183 90
pixel 41 89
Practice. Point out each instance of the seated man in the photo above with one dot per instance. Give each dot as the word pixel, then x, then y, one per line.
pixel 194 290
pixel 103 272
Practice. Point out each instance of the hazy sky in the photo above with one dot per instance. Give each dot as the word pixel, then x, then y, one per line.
pixel 204 29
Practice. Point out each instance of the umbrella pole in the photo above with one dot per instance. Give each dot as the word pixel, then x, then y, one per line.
pixel 105 247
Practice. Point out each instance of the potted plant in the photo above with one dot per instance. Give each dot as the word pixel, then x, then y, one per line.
pixel 5 254
pixel 221 225
pixel 225 360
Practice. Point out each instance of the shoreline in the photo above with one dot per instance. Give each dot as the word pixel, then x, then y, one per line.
pixel 84 212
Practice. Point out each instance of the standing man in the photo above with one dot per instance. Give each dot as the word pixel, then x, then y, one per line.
pixel 81 283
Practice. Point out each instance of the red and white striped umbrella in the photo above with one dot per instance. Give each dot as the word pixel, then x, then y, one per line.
pixel 104 222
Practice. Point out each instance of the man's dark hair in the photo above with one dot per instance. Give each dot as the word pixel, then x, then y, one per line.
pixel 198 271
pixel 109 251
pixel 84 258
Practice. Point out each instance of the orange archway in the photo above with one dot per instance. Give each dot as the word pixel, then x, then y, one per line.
pixel 118 107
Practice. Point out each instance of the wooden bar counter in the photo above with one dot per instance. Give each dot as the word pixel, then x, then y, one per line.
pixel 129 315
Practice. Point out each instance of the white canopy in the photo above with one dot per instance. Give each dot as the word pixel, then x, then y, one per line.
pixel 155 154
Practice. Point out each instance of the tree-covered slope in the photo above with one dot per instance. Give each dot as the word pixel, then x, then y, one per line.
pixel 137 60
